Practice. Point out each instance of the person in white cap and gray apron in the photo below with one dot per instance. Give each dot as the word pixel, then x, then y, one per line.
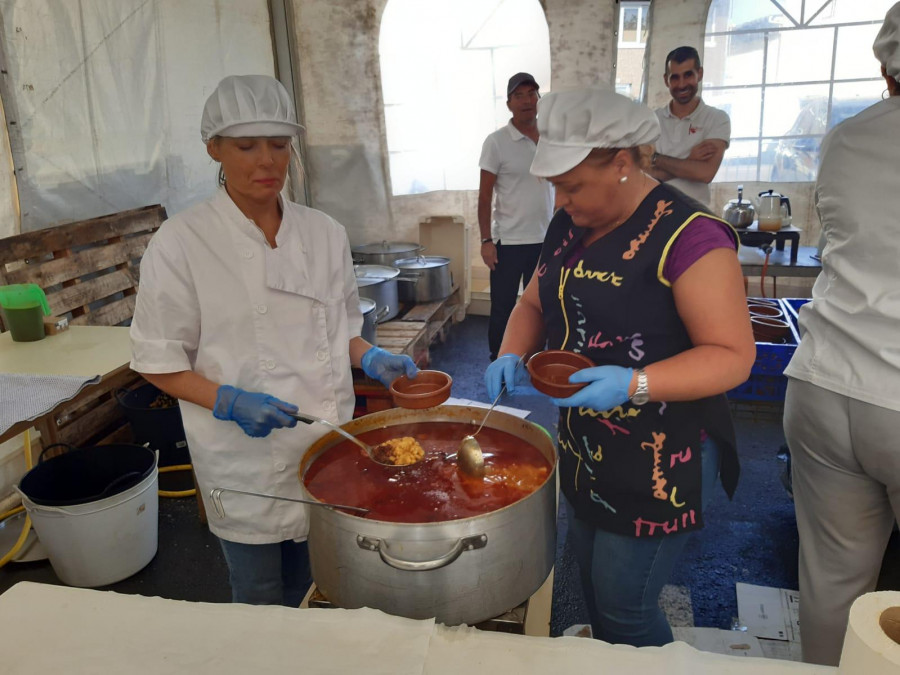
pixel 248 309
pixel 842 408
pixel 642 280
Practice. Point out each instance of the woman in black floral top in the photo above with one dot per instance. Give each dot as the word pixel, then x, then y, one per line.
pixel 641 279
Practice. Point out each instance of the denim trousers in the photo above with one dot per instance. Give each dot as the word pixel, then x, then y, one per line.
pixel 268 574
pixel 622 576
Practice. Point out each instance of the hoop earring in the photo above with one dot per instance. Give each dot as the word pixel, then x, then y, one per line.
pixel 221 176
pixel 623 179
pixel 883 97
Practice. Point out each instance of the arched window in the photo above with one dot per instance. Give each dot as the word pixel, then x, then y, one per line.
pixel 786 72
pixel 444 69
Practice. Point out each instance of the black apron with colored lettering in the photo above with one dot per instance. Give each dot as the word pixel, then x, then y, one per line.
pixel 633 470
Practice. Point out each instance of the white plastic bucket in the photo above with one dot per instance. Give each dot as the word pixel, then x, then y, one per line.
pixel 100 542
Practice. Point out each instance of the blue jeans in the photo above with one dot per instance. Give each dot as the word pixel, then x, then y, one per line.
pixel 268 574
pixel 622 576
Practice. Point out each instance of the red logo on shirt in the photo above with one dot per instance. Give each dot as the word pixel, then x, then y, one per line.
pixel 692 129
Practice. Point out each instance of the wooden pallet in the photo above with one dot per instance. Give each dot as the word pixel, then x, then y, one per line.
pixel 89 271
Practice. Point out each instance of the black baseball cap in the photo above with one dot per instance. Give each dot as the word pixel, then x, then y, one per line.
pixel 519 79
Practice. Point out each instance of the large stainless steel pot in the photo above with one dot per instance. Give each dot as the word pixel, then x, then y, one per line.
pixel 458 571
pixel 369 310
pixel 379 283
pixel 425 278
pixel 385 252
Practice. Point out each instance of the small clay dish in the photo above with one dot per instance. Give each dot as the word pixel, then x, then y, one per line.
pixel 550 371
pixel 429 389
pixel 767 328
pixel 764 310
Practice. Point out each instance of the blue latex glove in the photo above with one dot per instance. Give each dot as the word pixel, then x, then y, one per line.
pixel 256 413
pixel 608 388
pixel 385 367
pixel 507 368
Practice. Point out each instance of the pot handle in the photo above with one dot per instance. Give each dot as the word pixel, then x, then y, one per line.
pixel 412 277
pixel 381 313
pixel 380 545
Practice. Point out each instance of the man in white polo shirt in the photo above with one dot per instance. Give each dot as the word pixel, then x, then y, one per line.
pixel 511 236
pixel 694 135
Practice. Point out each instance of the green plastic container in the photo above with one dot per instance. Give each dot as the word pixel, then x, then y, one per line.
pixel 24 307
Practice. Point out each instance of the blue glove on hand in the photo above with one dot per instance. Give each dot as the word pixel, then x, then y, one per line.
pixel 509 369
pixel 608 388
pixel 385 367
pixel 256 413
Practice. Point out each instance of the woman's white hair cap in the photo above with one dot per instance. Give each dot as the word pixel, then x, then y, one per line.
pixel 248 105
pixel 572 123
pixel 887 43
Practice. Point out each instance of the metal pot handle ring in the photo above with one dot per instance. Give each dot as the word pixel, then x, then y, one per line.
pixel 464 544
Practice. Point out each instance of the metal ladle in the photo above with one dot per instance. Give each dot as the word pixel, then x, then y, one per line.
pixel 309 419
pixel 216 496
pixel 469 456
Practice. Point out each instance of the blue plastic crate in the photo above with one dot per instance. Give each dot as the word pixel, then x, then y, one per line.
pixel 794 305
pixel 767 381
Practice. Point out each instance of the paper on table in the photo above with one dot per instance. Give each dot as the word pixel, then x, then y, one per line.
pixel 518 412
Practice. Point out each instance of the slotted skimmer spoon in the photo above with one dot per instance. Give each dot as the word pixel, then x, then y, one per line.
pixel 309 419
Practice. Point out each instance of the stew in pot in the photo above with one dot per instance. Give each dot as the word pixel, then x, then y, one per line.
pixel 433 489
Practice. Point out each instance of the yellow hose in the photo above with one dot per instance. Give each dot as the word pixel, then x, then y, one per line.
pixel 26 438
pixel 176 493
pixel 11 512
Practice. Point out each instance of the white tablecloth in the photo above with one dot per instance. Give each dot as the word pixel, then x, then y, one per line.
pixel 75 631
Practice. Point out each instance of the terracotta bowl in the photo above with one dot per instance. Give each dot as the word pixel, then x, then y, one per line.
pixel 764 310
pixel 769 329
pixel 429 389
pixel 550 371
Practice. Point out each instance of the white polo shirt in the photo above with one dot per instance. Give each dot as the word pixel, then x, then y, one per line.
pixel 679 135
pixel 523 204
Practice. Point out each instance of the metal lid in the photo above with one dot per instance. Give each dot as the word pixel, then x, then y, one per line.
pixel 366 305
pixel 387 247
pixel 422 262
pixel 374 273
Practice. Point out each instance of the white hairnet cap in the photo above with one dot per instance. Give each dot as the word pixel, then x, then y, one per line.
pixel 572 123
pixel 248 105
pixel 887 43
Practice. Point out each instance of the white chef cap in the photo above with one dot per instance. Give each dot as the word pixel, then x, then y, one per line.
pixel 887 43
pixel 572 123
pixel 248 105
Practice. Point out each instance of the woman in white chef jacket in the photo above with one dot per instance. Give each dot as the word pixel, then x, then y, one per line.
pixel 247 310
pixel 842 409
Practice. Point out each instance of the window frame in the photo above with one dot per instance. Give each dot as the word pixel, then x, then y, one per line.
pixel 643 7
pixel 763 140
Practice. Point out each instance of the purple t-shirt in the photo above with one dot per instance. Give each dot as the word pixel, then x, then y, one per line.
pixel 695 241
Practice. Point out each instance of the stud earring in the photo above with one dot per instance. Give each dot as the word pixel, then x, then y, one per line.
pixel 623 179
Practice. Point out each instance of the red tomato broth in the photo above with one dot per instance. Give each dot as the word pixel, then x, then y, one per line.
pixel 433 489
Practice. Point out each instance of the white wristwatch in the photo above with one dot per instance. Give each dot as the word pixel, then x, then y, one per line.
pixel 642 392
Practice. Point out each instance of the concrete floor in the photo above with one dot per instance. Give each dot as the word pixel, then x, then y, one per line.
pixel 751 539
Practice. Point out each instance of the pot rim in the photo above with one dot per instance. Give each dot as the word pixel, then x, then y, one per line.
pixel 422 262
pixel 379 272
pixel 443 413
pixel 387 247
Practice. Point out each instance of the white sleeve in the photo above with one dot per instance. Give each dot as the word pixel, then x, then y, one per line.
pixel 490 156
pixel 165 330
pixel 720 128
